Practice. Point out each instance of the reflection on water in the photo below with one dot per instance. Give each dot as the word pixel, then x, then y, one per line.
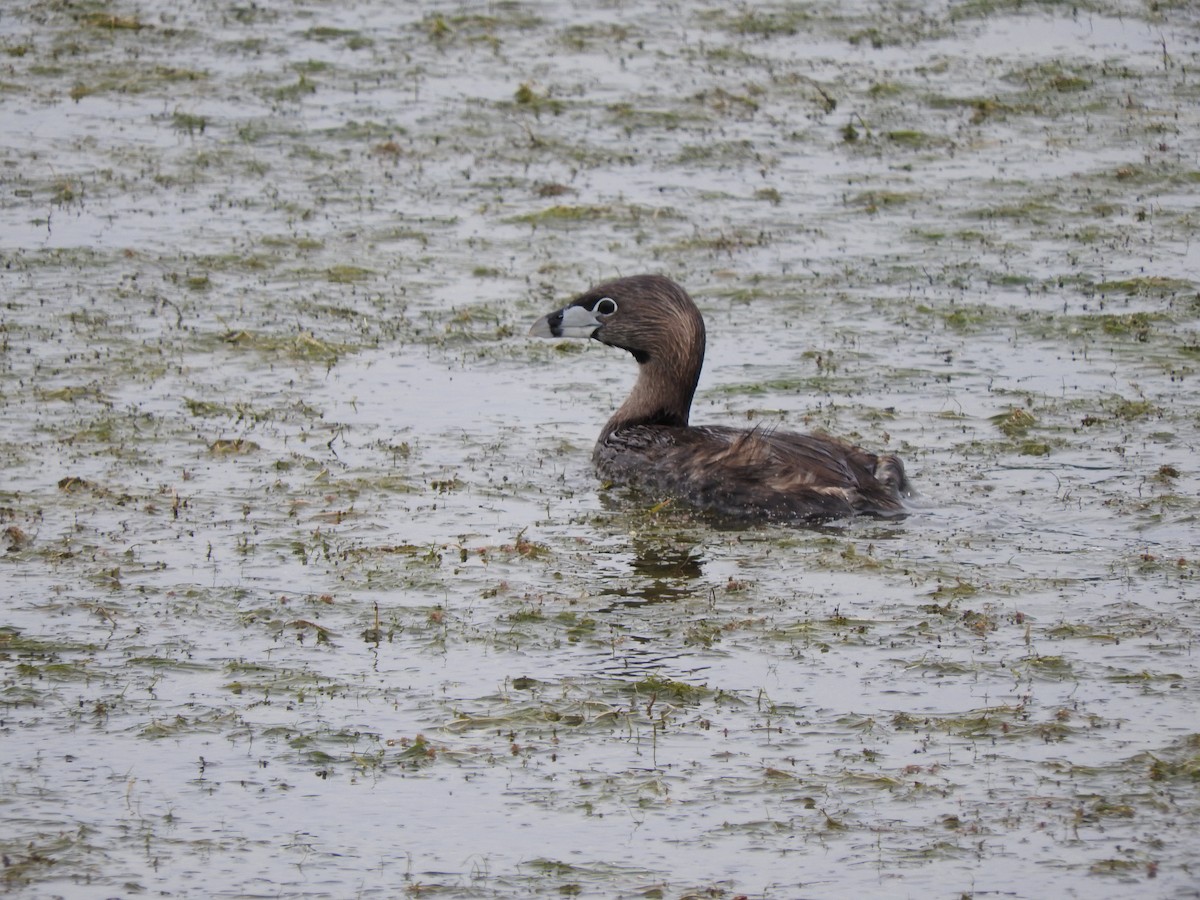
pixel 653 560
pixel 640 657
pixel 661 572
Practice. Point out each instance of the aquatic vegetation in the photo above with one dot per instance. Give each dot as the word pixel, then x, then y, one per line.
pixel 299 528
pixel 1014 423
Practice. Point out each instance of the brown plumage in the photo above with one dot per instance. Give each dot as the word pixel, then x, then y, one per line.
pixel 755 474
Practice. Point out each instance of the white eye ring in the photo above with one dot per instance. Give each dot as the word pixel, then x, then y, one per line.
pixel 605 306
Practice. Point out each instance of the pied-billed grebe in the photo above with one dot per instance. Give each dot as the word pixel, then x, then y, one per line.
pixel 737 473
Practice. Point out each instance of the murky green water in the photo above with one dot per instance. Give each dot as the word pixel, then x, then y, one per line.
pixel 309 590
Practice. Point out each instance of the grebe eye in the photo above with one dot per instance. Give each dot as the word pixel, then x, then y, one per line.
pixel 605 306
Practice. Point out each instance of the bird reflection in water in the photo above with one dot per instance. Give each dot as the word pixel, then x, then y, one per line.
pixel 661 572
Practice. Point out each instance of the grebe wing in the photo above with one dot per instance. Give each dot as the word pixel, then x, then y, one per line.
pixel 756 473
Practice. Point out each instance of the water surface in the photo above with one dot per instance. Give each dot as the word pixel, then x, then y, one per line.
pixel 310 591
